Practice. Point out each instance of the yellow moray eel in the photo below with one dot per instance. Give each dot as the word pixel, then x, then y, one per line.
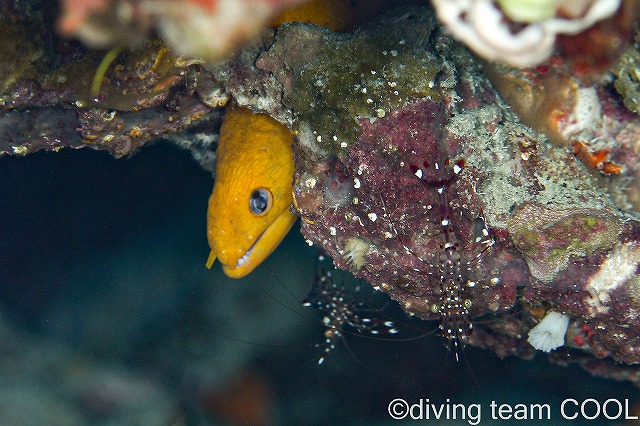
pixel 249 208
pixel 248 212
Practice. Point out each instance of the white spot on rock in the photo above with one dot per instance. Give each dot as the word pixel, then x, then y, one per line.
pixel 310 182
pixel 355 250
pixel 617 269
pixel 587 112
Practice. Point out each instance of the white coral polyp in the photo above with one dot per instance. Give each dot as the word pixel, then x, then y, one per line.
pixel 482 26
pixel 549 333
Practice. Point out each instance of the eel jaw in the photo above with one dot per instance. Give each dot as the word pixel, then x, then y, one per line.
pixel 264 245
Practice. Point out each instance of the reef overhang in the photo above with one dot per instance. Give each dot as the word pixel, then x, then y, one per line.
pixel 369 109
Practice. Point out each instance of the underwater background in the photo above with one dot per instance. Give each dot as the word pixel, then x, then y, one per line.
pixel 109 317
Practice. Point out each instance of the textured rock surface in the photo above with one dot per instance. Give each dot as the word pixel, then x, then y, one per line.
pixel 560 241
pixel 368 109
pixel 48 99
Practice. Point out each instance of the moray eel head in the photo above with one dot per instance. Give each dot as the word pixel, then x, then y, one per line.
pixel 248 212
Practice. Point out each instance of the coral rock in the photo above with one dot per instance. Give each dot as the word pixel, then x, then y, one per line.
pixel 369 133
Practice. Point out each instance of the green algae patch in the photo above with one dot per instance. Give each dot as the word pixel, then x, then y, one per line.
pixel 627 83
pixel 549 238
pixel 331 80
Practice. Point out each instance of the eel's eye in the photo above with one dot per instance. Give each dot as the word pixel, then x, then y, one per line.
pixel 260 202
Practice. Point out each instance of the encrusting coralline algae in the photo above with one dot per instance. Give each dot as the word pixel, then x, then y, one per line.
pixel 556 238
pixel 411 172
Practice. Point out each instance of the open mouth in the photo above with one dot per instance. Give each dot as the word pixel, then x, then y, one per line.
pixel 262 247
pixel 245 257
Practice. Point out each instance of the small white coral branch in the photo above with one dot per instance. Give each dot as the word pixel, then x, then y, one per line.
pixel 482 26
pixel 549 333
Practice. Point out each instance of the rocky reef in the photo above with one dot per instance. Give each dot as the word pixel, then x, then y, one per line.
pixel 383 116
pixel 412 172
pixel 56 93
